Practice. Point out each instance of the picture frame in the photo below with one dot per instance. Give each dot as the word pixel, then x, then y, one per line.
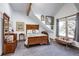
pixel 49 20
pixel 19 26
pixel 42 17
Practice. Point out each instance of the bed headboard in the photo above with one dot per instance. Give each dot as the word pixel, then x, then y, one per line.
pixel 32 27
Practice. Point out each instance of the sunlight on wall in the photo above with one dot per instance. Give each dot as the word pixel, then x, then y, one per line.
pixel 38 16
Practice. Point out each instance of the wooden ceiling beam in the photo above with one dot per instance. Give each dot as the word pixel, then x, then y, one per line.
pixel 29 9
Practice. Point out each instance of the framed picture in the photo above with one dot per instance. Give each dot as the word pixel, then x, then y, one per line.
pixel 42 17
pixel 49 20
pixel 19 26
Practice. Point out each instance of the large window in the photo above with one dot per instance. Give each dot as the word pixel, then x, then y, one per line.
pixel 62 28
pixel 67 27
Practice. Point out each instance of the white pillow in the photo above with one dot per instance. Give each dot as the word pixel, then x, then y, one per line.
pixel 37 31
pixel 29 31
pixel 34 31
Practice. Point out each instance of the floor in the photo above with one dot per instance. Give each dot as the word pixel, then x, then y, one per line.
pixel 53 49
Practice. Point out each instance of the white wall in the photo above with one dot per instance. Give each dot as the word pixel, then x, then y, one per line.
pixel 66 10
pixel 37 18
pixel 4 7
pixel 0 36
pixel 20 17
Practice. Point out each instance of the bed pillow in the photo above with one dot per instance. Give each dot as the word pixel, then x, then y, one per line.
pixel 35 31
pixel 29 31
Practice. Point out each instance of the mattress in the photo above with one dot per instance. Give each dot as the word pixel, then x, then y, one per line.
pixel 36 34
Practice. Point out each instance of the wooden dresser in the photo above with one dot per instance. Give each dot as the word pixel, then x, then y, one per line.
pixel 9 47
pixel 9 39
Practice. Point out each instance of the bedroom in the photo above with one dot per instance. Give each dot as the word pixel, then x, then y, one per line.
pixel 22 14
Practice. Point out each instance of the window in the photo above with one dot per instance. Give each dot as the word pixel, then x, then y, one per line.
pixel 67 27
pixel 71 27
pixel 62 28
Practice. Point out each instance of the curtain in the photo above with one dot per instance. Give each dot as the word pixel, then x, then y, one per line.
pixel 57 27
pixel 77 28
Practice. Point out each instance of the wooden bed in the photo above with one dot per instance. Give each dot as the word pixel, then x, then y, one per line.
pixel 33 39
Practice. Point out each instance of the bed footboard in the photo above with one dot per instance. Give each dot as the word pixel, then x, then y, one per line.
pixel 37 40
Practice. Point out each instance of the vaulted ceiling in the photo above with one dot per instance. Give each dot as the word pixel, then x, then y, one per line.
pixel 20 7
pixel 49 9
pixel 77 6
pixel 39 8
